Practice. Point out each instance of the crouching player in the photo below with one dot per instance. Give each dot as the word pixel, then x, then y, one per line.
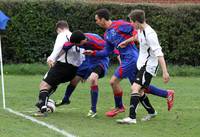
pixel 62 68
pixel 92 68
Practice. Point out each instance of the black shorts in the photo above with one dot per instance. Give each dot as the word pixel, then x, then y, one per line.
pixel 60 73
pixel 143 78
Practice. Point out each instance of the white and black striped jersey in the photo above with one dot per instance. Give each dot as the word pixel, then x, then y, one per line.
pixel 73 57
pixel 149 51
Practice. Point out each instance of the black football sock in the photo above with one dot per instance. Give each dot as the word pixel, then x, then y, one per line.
pixel 146 104
pixel 133 105
pixel 43 98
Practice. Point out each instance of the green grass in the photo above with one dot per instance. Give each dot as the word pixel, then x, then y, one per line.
pixel 25 69
pixel 22 91
pixel 40 69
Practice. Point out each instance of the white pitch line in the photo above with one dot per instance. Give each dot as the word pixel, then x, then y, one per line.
pixel 52 127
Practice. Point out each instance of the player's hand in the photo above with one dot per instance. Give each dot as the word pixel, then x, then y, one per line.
pixel 88 52
pixel 50 63
pixel 166 77
pixel 122 44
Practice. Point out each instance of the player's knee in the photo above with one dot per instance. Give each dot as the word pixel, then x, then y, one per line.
pixel 135 88
pixel 44 85
pixel 93 81
pixel 112 82
pixel 74 83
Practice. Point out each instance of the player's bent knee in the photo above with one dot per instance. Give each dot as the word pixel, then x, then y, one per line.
pixel 112 82
pixel 93 81
pixel 44 85
pixel 135 88
pixel 74 82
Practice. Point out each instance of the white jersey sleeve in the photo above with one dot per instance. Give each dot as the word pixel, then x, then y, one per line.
pixel 60 40
pixel 152 40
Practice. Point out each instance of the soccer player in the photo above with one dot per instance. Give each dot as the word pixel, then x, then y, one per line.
pixel 62 68
pixel 92 68
pixel 116 32
pixel 150 56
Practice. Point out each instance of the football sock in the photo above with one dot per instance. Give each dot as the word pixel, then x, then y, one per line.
pixel 146 104
pixel 118 99
pixel 134 101
pixel 70 88
pixel 156 91
pixel 43 98
pixel 94 97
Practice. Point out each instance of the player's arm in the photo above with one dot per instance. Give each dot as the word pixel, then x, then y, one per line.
pixel 152 40
pixel 129 30
pixel 100 53
pixel 56 50
pixel 123 44
pixel 60 54
pixel 165 73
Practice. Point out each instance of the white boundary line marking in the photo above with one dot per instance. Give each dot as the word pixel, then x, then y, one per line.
pixel 34 120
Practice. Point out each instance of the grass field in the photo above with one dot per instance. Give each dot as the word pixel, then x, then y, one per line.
pixel 22 92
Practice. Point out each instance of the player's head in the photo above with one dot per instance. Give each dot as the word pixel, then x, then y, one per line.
pixel 61 25
pixel 137 17
pixel 78 38
pixel 101 17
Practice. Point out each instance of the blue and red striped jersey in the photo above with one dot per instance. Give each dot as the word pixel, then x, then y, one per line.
pixel 118 32
pixel 94 42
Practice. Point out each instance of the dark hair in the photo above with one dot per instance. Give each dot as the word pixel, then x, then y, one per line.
pixel 62 24
pixel 103 13
pixel 77 36
pixel 137 15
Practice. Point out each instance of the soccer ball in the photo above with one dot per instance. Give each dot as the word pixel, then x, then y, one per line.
pixel 51 106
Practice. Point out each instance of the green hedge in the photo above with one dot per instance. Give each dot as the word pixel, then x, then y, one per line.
pixel 30 34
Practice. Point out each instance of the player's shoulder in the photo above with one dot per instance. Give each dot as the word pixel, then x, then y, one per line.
pixel 68 44
pixel 149 30
pixel 64 35
pixel 120 21
pixel 94 37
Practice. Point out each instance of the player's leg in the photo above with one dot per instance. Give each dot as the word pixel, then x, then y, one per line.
pixel 60 73
pixel 97 72
pixel 43 96
pixel 69 90
pixel 142 80
pixel 168 94
pixel 118 93
pixel 125 70
pixel 145 101
pixel 134 101
pixel 50 80
pixel 147 105
pixel 94 91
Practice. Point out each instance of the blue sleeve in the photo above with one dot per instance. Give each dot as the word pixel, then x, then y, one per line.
pixel 106 51
pixel 126 28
